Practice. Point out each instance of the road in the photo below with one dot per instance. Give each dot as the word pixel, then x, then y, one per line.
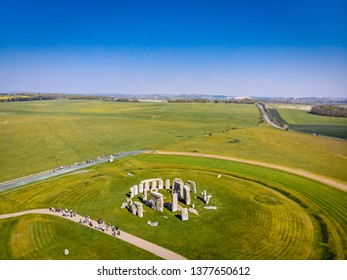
pixel 49 174
pixel 266 117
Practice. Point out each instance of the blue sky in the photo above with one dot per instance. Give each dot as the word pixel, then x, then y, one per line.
pixel 255 48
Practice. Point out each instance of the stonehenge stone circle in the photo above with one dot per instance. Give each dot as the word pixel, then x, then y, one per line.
pixel 180 192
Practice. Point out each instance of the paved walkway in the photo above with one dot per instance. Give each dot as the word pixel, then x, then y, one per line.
pixel 127 237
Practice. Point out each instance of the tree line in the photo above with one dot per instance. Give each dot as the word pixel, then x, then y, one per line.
pixel 329 110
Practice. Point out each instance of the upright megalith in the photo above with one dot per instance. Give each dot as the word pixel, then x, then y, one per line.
pixel 206 198
pixel 110 159
pixel 147 186
pixel 186 194
pixel 160 184
pixel 184 214
pixel 192 186
pixel 132 192
pixel 133 209
pixel 139 207
pixel 136 189
pixel 157 201
pixel 167 184
pixel 178 187
pixel 144 195
pixel 174 203
pixel 141 188
pixel 154 185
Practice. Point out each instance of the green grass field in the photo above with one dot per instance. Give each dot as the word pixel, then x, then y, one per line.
pixel 244 195
pixel 38 136
pixel 291 217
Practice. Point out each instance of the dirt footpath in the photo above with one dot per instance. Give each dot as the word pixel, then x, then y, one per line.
pixel 327 181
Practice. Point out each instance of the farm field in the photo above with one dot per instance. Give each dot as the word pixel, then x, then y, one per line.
pixel 283 210
pixel 292 217
pixel 302 121
pixel 294 116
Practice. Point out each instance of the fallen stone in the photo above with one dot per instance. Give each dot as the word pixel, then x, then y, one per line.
pixel 124 205
pixel 194 211
pixel 210 207
pixel 154 224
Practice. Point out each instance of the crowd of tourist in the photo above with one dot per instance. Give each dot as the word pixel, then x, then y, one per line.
pixel 88 161
pixel 65 212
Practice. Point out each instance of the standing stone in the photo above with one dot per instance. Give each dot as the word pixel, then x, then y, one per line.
pixel 204 196
pixel 139 207
pixel 161 184
pixel 184 214
pixel 174 203
pixel 192 186
pixel 157 201
pixel 180 191
pixel 176 185
pixel 110 159
pixel 132 192
pixel 208 199
pixel 186 194
pixel 154 185
pixel 136 190
pixel 147 186
pixel 140 188
pixel 144 195
pixel 167 184
pixel 133 209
